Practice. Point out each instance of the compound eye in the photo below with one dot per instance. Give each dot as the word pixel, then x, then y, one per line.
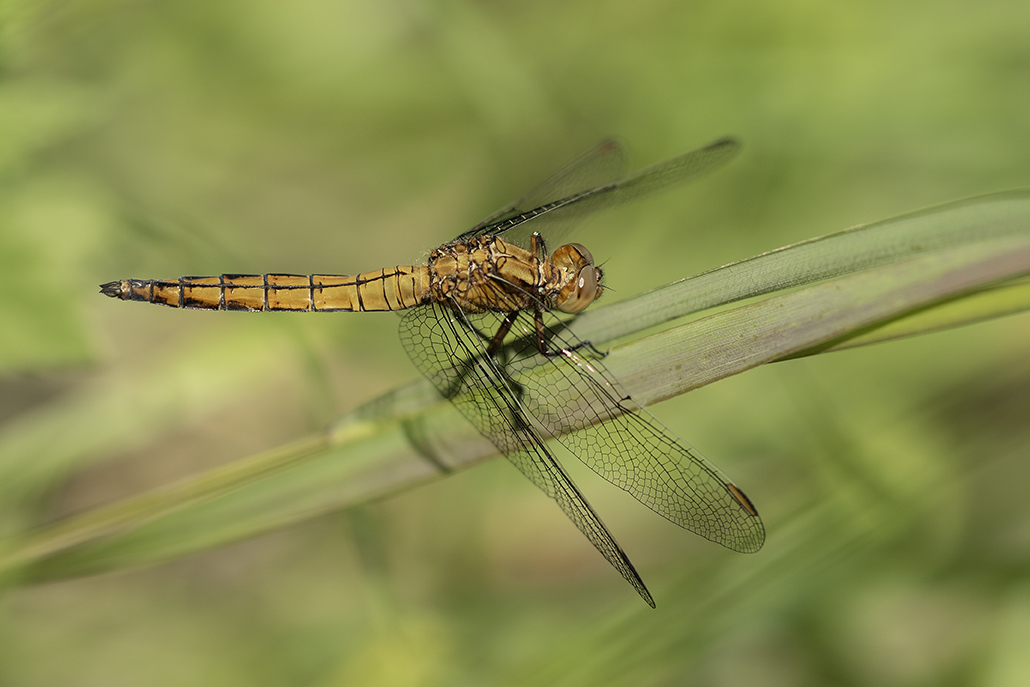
pixel 584 291
pixel 572 256
pixel 585 255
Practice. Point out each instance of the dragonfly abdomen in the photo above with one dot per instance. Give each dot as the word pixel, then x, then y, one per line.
pixel 395 288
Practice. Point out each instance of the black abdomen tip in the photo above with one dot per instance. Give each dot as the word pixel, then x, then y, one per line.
pixel 115 289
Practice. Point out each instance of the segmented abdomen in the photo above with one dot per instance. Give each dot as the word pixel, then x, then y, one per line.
pixel 395 288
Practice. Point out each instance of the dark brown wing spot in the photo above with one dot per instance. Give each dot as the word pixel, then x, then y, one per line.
pixel 742 499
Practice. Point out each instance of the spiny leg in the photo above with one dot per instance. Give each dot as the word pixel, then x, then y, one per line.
pixel 495 346
pixel 541 340
pixel 502 331
pixel 538 246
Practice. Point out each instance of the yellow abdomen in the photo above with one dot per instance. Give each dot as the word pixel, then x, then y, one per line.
pixel 395 288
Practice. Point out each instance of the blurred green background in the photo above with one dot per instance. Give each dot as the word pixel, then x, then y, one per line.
pixel 158 139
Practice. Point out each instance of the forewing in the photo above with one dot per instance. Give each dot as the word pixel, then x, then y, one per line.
pixel 445 346
pixel 561 201
pixel 575 399
pixel 600 165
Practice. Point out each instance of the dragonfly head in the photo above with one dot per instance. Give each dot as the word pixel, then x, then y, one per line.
pixel 583 281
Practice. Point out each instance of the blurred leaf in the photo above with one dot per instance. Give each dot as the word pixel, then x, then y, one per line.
pixel 36 115
pixel 840 290
pixel 227 135
pixel 46 228
pixel 42 448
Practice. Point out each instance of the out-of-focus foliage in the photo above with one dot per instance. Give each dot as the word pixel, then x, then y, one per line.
pixel 925 271
pixel 154 139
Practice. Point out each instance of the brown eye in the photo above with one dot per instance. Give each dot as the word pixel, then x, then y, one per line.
pixel 584 290
pixel 584 254
pixel 572 255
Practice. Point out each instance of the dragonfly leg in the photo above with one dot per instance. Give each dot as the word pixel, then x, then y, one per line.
pixel 502 331
pixel 497 346
pixel 495 350
pixel 541 340
pixel 538 246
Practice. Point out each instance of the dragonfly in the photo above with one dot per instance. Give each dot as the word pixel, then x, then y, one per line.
pixel 486 320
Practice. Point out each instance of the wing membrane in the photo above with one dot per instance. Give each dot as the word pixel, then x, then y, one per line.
pixel 561 198
pixel 600 165
pixel 447 349
pixel 573 398
pixel 518 398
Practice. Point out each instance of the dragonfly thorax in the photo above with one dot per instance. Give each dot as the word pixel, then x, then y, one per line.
pixel 490 274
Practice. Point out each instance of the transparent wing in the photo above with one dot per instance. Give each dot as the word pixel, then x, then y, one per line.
pixel 572 193
pixel 575 399
pixel 600 165
pixel 445 346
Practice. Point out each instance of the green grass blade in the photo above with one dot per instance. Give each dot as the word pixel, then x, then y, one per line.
pixel 920 272
pixel 815 318
pixel 960 223
pixel 996 301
